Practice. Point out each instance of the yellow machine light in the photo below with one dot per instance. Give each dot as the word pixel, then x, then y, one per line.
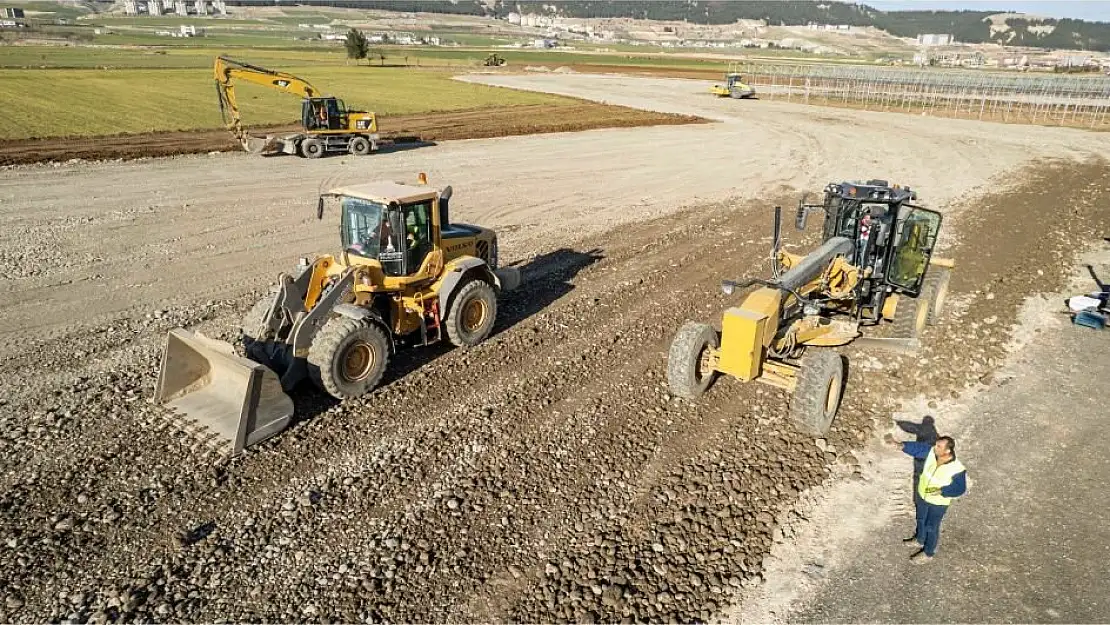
pixel 742 333
pixel 422 178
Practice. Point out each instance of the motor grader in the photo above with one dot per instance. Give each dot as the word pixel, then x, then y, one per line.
pixel 406 276
pixel 874 266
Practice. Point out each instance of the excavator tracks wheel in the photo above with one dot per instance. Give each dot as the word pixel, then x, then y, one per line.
pixel 312 148
pixel 348 357
pixel 691 365
pixel 472 314
pixel 820 387
pixel 936 287
pixel 359 146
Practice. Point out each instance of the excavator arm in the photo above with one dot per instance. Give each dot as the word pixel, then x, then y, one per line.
pixel 227 69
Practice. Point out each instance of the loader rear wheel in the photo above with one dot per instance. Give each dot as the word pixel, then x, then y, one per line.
pixel 312 148
pixel 472 314
pixel 691 365
pixel 359 146
pixel 936 289
pixel 348 357
pixel 820 386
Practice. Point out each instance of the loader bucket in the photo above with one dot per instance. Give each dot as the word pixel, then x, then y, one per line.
pixel 233 402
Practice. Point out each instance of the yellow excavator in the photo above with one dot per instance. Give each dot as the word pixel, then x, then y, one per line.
pixel 327 124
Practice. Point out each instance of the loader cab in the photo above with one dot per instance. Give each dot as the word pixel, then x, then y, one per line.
pixel 393 226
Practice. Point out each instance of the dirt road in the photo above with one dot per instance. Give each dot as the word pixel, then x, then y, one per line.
pixel 91 242
pixel 545 475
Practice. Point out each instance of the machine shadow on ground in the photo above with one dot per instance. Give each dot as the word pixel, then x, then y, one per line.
pixel 545 279
pixel 388 146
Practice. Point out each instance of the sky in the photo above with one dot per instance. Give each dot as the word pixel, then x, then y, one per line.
pixel 1091 10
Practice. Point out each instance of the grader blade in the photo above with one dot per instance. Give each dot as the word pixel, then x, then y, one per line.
pixel 231 401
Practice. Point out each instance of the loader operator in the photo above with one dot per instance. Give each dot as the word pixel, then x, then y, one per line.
pixel 943 478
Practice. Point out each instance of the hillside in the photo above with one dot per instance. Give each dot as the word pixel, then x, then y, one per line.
pixel 965 26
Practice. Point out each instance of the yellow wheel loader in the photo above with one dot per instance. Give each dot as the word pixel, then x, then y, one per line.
pixel 327 124
pixel 407 276
pixel 874 266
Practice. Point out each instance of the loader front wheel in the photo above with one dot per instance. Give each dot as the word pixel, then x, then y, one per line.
pixel 691 364
pixel 820 386
pixel 348 357
pixel 472 314
pixel 255 317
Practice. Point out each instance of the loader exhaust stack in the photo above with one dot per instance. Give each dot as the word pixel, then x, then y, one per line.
pixel 233 402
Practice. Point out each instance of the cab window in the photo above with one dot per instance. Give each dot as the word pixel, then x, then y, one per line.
pixel 418 229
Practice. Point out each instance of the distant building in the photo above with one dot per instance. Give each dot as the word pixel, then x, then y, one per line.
pixel 543 43
pixel 514 18
pixel 934 40
pixel 13 13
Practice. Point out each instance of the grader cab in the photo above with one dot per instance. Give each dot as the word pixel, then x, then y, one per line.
pixel 874 266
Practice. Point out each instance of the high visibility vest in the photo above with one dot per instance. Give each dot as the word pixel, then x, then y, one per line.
pixel 937 476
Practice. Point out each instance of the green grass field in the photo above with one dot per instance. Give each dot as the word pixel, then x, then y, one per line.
pixel 68 102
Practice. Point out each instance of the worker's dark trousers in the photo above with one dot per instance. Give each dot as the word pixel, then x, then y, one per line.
pixel 928 524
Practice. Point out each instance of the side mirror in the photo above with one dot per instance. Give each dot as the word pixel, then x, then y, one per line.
pixel 320 208
pixel 800 218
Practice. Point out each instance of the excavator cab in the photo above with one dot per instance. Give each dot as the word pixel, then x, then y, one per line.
pixel 324 114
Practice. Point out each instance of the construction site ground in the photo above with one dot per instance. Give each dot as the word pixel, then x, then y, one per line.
pixel 545 475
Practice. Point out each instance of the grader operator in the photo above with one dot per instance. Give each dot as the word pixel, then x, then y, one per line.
pixel 874 266
pixel 407 276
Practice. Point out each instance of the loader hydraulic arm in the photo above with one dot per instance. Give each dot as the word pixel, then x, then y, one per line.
pixel 227 69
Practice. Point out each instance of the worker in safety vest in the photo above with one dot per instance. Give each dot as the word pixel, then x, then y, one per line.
pixel 943 478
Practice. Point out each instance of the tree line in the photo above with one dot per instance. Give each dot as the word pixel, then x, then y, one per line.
pixel 964 26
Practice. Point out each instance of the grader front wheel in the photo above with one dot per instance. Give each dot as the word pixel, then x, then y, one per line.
pixel 691 364
pixel 818 392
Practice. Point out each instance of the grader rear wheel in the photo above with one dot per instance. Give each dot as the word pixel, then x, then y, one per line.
pixel 912 314
pixel 818 393
pixel 691 365
pixel 936 286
